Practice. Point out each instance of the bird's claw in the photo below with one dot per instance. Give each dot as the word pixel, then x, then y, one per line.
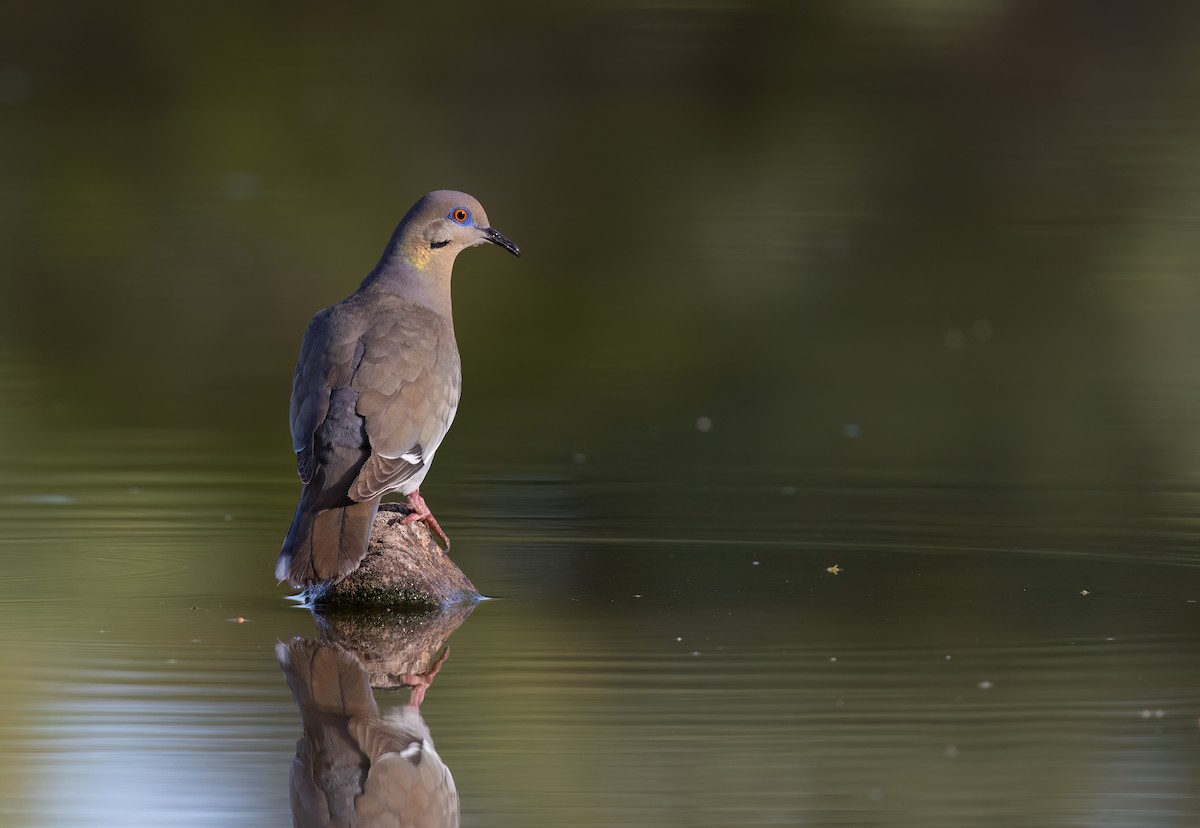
pixel 419 510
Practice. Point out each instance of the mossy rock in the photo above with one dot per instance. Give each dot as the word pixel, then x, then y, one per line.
pixel 404 568
pixel 391 643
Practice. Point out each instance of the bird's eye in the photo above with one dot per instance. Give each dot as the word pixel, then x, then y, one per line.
pixel 460 214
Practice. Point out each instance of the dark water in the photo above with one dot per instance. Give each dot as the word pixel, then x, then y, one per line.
pixel 831 454
pixel 694 663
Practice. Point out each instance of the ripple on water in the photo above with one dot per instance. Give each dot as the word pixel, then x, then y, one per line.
pixel 70 533
pixel 199 728
pixel 724 715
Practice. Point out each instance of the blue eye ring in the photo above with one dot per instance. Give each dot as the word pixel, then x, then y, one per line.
pixel 460 214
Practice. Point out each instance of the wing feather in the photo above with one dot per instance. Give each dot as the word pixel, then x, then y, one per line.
pixel 401 362
pixel 408 384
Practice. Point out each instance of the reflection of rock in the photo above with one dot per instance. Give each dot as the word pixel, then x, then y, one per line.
pixel 404 566
pixel 391 646
pixel 353 766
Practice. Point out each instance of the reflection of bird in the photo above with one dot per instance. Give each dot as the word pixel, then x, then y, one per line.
pixel 376 388
pixel 354 767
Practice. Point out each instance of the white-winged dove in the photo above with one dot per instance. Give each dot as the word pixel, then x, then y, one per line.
pixel 376 388
pixel 353 766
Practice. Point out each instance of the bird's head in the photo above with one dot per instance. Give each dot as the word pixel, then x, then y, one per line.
pixel 443 223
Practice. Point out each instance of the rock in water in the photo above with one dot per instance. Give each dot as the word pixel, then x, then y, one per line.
pixel 404 567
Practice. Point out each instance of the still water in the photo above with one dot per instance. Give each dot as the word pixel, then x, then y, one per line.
pixel 982 656
pixel 830 457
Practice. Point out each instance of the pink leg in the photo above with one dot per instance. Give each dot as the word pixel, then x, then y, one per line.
pixel 420 682
pixel 420 511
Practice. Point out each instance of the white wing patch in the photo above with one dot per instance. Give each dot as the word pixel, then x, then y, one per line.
pixel 413 455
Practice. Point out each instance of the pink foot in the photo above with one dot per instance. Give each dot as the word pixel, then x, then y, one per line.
pixel 420 511
pixel 420 682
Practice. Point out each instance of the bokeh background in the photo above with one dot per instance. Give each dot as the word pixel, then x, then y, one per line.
pixel 909 283
pixel 966 227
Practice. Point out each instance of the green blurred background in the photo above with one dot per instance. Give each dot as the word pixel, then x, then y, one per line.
pixel 963 231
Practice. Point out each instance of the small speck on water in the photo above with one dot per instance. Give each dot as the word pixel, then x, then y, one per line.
pixel 579 458
pixel 704 424
pixel 1153 714
pixel 241 185
pixel 832 659
pixel 955 339
pixel 985 685
pixel 851 431
pixel 16 84
pixel 1083 592
pixel 754 563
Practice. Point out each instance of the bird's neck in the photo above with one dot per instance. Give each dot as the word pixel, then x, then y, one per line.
pixel 409 270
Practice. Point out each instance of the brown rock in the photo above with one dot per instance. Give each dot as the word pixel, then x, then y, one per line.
pixel 393 646
pixel 404 567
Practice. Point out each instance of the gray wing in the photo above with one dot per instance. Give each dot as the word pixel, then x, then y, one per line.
pixel 407 782
pixel 408 383
pixel 402 362
pixel 327 361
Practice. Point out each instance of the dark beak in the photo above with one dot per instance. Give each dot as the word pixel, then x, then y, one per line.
pixel 496 237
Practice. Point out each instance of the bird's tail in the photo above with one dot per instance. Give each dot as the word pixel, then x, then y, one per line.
pixel 325 545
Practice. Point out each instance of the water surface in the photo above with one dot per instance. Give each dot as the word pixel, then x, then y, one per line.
pixel 830 455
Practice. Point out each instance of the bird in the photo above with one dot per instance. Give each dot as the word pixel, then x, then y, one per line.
pixel 376 388
pixel 354 764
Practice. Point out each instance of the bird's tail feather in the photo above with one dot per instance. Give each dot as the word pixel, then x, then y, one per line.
pixel 325 544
